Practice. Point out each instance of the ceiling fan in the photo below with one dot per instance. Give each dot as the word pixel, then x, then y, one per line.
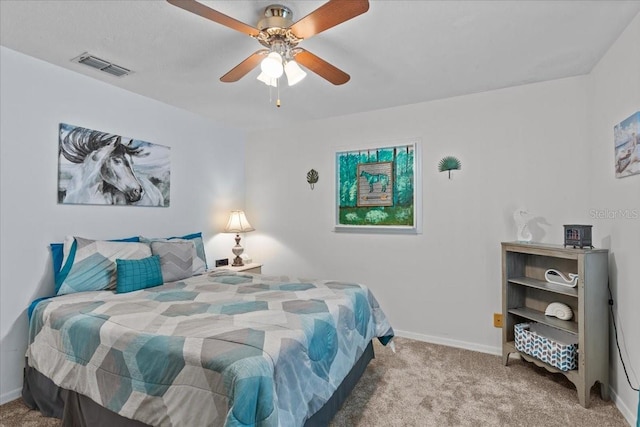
pixel 280 36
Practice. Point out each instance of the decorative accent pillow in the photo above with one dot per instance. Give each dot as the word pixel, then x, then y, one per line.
pixel 57 253
pixel 136 274
pixel 90 265
pixel 197 240
pixel 199 257
pixel 176 258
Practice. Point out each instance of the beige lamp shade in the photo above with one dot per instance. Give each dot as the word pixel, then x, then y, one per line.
pixel 238 223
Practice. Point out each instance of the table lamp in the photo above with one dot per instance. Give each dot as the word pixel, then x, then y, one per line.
pixel 238 224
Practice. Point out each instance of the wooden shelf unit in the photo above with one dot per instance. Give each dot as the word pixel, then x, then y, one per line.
pixel 526 294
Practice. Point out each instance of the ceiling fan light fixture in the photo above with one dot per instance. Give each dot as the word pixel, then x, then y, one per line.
pixel 269 81
pixel 294 73
pixel 272 65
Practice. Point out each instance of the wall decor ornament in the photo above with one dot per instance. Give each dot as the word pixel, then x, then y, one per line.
pixel 312 177
pixel 449 163
pixel 100 168
pixel 378 189
pixel 627 146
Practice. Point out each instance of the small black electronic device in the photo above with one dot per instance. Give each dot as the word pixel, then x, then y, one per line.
pixel 578 236
pixel 222 262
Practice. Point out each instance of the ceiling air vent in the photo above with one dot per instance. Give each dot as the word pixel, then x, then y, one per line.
pixel 101 64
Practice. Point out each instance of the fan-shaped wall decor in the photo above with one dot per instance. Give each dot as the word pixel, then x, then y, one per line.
pixel 449 163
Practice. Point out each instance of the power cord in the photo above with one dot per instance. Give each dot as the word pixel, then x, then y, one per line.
pixel 615 330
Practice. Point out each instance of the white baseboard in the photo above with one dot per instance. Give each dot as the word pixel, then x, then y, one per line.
pixel 10 395
pixel 628 414
pixel 450 343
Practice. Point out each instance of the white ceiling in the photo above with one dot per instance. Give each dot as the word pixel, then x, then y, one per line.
pixel 399 52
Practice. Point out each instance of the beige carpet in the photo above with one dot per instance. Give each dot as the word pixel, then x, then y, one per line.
pixel 430 385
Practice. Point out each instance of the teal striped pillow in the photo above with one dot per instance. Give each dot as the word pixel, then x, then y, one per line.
pixel 136 274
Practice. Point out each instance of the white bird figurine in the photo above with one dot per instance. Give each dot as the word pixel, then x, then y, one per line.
pixel 521 217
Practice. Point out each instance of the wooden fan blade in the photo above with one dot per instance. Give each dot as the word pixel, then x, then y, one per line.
pixel 321 67
pixel 240 70
pixel 328 15
pixel 215 16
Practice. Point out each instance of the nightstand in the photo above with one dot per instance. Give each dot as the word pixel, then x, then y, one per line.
pixel 247 268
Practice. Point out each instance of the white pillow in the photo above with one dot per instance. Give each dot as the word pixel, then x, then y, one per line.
pixel 90 265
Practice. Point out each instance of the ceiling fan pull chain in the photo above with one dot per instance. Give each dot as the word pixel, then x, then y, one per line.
pixel 278 89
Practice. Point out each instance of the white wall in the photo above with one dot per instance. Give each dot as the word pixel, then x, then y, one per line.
pixel 614 94
pixel 547 147
pixel 523 146
pixel 207 180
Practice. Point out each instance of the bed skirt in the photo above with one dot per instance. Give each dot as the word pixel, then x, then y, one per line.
pixel 77 410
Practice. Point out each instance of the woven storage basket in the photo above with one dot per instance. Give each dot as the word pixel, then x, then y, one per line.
pixel 553 346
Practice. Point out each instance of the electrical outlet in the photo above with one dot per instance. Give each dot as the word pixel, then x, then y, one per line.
pixel 222 262
pixel 497 320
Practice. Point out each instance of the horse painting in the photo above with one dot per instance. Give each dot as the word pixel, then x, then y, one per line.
pixel 375 184
pixel 104 172
pixel 371 178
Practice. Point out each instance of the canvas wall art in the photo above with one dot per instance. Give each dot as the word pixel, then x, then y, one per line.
pixel 377 189
pixel 627 146
pixel 100 168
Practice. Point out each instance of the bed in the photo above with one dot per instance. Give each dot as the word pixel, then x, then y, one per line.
pixel 219 348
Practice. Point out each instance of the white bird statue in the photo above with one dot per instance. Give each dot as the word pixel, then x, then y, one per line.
pixel 521 217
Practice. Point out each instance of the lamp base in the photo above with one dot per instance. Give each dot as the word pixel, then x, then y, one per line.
pixel 237 251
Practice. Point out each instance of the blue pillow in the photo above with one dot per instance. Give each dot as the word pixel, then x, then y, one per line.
pixel 32 306
pixel 136 274
pixel 57 255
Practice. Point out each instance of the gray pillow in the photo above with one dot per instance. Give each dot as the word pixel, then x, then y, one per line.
pixel 199 258
pixel 176 259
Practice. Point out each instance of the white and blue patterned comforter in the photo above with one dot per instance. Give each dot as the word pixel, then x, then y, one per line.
pixel 218 349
